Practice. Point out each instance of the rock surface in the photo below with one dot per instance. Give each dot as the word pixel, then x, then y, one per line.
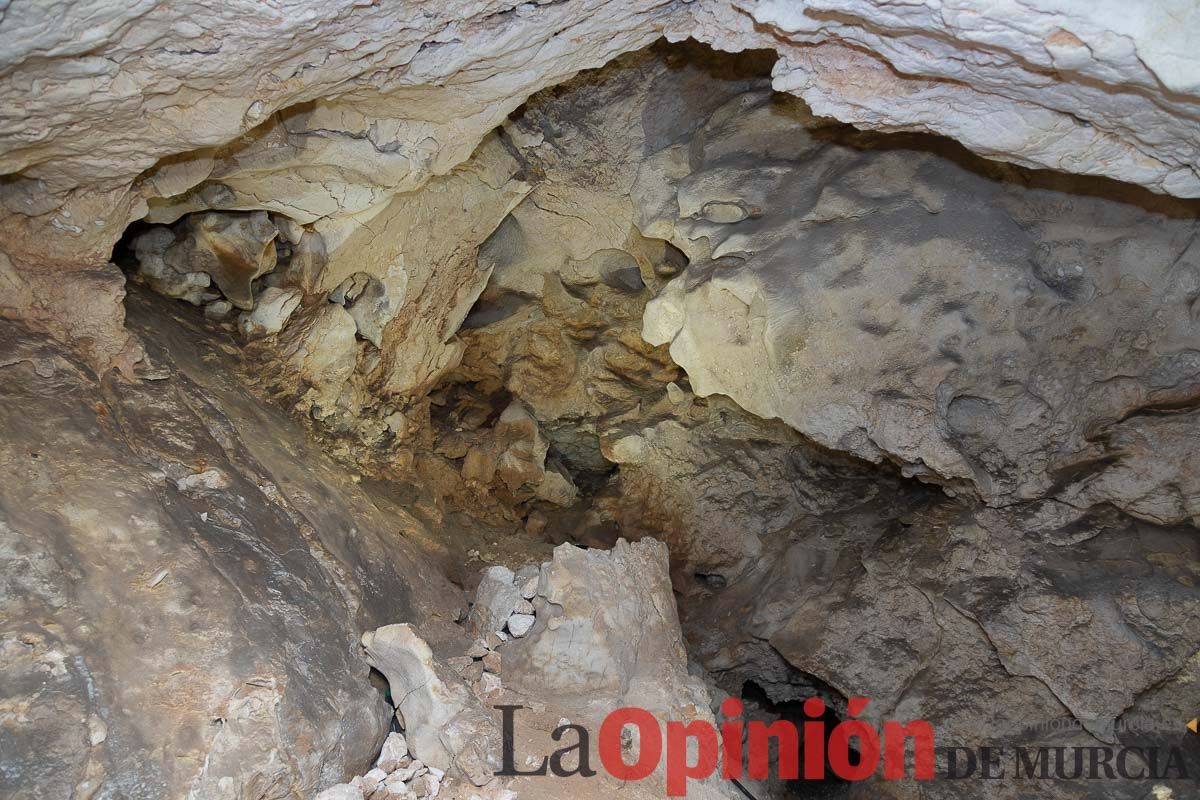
pixel 913 425
pixel 892 304
pixel 121 113
pixel 147 651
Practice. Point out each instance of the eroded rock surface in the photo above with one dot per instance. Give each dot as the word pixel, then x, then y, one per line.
pixel 912 425
pixel 184 584
pixel 121 113
pixel 887 302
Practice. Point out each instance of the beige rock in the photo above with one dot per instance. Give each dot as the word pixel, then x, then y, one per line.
pixel 445 725
pixel 233 249
pixel 395 748
pixel 322 351
pixel 274 309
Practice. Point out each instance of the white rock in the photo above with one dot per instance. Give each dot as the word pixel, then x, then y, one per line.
pixel 342 791
pixel 275 306
pixel 404 774
pixel 445 723
pixel 495 600
pixel 489 686
pixel 395 747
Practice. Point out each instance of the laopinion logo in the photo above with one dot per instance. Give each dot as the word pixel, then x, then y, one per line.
pixel 852 750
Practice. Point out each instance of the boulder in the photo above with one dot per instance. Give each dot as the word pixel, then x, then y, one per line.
pixel 445 724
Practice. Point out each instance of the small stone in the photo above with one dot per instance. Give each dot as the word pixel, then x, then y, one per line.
pixel 343 791
pixel 493 641
pixel 397 423
pixel 426 786
pixel 218 309
pixel 395 787
pixel 488 686
pixel 527 580
pixel 404 774
pixel 395 748
pixel 460 664
pixel 519 624
pixel 473 672
pixel 491 663
pixel 525 607
pixel 275 307
pixel 98 730
pixel 372 780
pixel 478 649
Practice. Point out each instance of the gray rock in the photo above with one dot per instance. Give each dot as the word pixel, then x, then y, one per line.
pixel 96 654
pixel 342 791
pixel 519 624
pixel 395 748
pixel 495 601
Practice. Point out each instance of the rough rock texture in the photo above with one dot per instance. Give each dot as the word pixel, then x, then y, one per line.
pixel 1089 88
pixel 324 112
pixel 661 301
pixel 845 270
pixel 887 302
pixel 184 583
pixel 448 727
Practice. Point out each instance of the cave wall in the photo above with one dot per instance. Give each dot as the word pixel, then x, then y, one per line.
pixel 332 109
pixel 185 577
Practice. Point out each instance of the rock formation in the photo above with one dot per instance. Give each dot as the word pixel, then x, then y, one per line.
pixel 370 367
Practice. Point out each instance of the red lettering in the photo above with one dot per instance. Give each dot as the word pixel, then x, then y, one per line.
pixel 649 743
pixel 678 769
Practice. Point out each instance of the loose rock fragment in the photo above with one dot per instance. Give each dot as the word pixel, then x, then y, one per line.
pixel 519 624
pixel 274 308
pixel 495 600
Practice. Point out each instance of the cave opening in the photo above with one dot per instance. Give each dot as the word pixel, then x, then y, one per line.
pixel 760 707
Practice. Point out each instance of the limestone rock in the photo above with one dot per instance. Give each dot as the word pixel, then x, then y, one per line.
pixel 495 601
pixel 964 369
pixel 1099 92
pixel 592 654
pixel 520 624
pixel 171 662
pixel 274 308
pixel 188 284
pixel 322 351
pixel 342 791
pixel 394 749
pixel 445 724
pixel 233 249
